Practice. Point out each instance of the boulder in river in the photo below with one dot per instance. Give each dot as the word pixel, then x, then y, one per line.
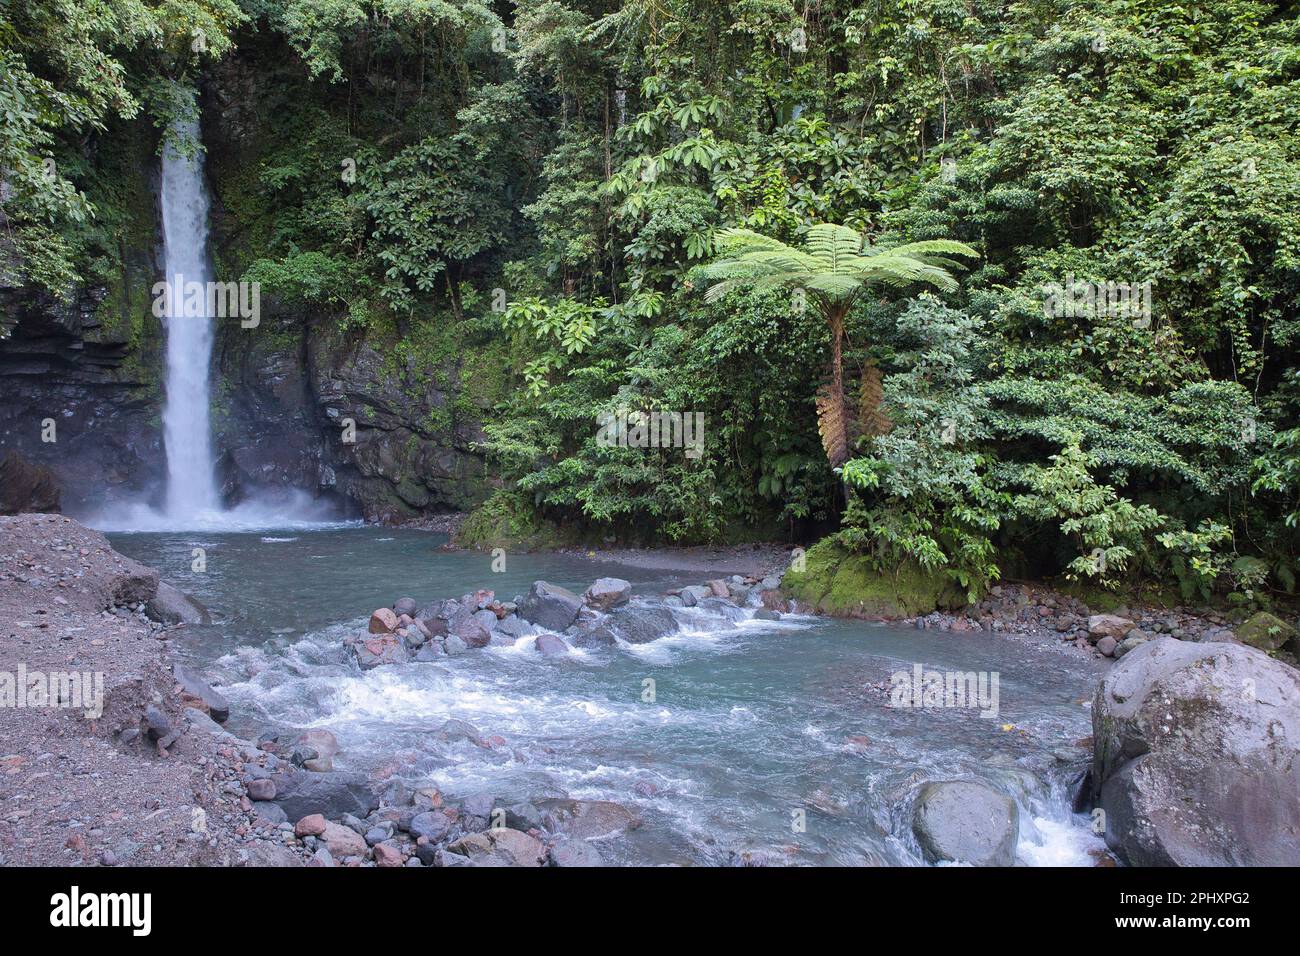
pixel 376 650
pixel 405 605
pixel 513 626
pixel 550 606
pixel 587 819
pixel 471 629
pixel 198 693
pixel 383 621
pixel 454 729
pixel 961 821
pixel 1196 757
pixel 170 605
pixel 635 625
pixel 608 593
pixel 320 740
pixel 693 594
pixel 548 645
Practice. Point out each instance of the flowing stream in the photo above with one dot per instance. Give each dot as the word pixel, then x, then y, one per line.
pixel 752 727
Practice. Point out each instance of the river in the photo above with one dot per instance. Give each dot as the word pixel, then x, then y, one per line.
pixel 772 739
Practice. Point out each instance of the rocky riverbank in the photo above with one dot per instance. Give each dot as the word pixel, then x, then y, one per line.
pixel 1037 612
pixel 106 758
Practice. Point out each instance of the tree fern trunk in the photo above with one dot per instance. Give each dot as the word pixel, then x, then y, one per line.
pixel 832 416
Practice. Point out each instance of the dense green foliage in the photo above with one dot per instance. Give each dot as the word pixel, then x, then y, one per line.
pixel 560 170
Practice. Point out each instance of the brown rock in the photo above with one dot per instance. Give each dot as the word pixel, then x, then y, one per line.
pixel 387 855
pixel 383 621
pixel 312 825
pixel 343 842
pixel 1108 625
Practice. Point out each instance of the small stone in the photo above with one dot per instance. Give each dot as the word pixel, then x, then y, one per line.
pixel 261 790
pixel 387 855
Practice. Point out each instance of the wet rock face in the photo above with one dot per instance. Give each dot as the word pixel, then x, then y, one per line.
pixel 80 369
pixel 1196 758
pixel 26 486
pixel 282 392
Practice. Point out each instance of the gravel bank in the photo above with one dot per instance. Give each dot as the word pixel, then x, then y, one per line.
pixel 147 782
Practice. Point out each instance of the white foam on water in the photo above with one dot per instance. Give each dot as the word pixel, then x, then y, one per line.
pixel 1064 843
pixel 295 511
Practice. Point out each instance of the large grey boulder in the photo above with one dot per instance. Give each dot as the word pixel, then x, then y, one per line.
pixel 330 794
pixel 514 627
pixel 170 605
pixel 1196 757
pixel 693 594
pixel 550 606
pixel 961 821
pixel 640 625
pixel 608 593
pixel 548 645
pixel 472 629
pixel 635 625
pixel 376 650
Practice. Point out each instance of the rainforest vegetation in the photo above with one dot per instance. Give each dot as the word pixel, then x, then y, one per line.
pixel 989 288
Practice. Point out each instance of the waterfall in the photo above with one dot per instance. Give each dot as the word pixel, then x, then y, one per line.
pixel 189 304
pixel 187 430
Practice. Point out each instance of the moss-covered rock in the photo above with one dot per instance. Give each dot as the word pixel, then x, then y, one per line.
pixel 837 582
pixel 1267 632
pixel 504 521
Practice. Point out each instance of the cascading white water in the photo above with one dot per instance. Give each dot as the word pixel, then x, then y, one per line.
pixel 191 482
pixel 186 310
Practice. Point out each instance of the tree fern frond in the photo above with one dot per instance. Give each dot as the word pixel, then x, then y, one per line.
pixel 932 247
pixel 833 245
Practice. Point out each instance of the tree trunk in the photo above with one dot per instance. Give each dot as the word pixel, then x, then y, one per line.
pixel 832 413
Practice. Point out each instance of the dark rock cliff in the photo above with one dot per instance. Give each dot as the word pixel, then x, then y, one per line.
pixel 282 392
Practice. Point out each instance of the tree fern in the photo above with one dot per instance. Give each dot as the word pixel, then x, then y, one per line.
pixel 833 265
